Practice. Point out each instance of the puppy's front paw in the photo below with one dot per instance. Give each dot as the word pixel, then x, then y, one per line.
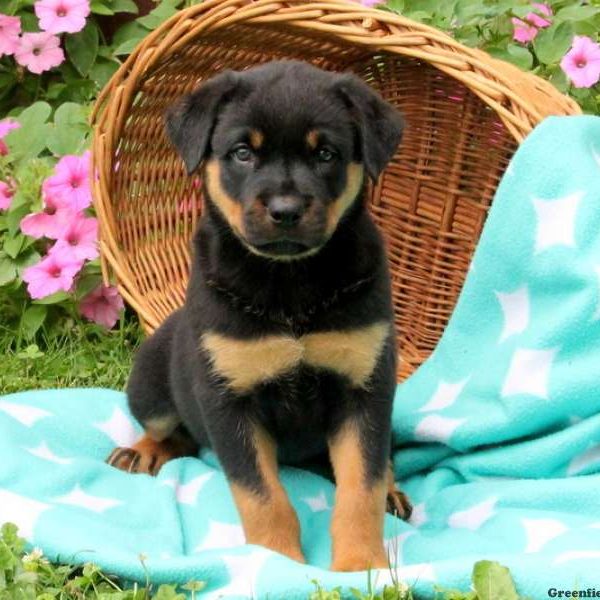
pixel 359 559
pixel 145 456
pixel 399 505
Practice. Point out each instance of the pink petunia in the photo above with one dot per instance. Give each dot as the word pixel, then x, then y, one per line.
pixel 371 3
pixel 70 182
pixel 79 241
pixel 58 16
pixel 39 52
pixel 6 195
pixel 103 306
pixel 526 31
pixel 6 126
pixel 10 28
pixel 50 275
pixel 51 222
pixel 582 62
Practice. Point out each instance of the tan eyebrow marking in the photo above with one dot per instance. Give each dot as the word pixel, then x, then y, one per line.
pixel 256 138
pixel 312 138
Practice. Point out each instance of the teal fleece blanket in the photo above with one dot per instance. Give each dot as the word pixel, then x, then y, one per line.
pixel 496 436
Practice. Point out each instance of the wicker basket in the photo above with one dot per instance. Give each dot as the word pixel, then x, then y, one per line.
pixel 466 114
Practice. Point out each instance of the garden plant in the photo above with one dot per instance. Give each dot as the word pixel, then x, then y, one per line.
pixel 60 325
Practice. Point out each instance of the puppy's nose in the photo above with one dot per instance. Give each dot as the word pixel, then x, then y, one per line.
pixel 285 211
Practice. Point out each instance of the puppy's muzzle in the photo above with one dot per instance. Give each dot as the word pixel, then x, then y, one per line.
pixel 286 211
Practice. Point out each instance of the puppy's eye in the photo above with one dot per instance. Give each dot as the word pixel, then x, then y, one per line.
pixel 325 154
pixel 242 153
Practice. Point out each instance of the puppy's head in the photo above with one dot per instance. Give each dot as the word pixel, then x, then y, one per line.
pixel 285 148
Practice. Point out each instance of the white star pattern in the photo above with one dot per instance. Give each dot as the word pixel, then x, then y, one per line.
pixel 243 571
pixel 77 497
pixel 222 535
pixel 317 503
pixel 418 516
pixel 529 372
pixel 582 461
pixel 42 451
pixel 515 310
pixel 540 531
pixel 187 493
pixel 576 555
pixel 22 511
pixel 475 516
pixel 437 428
pixel 394 548
pixel 119 428
pixel 556 221
pixel 27 415
pixel 444 396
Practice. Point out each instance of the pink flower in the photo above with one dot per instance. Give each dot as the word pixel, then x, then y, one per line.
pixel 6 126
pixel 582 62
pixel 525 31
pixel 10 28
pixel 51 222
pixel 371 3
pixel 6 195
pixel 79 241
pixel 58 16
pixel 52 274
pixel 70 182
pixel 39 52
pixel 103 306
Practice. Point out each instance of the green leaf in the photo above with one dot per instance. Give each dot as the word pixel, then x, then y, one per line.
pixel 492 581
pixel 26 259
pixel 13 245
pixel 517 55
pixel 126 47
pixel 30 139
pixel 87 283
pixel 551 44
pixel 14 217
pixel 53 298
pixel 70 130
pixel 128 6
pixel 103 70
pixel 100 8
pixel 33 318
pixel 8 271
pixel 576 13
pixel 82 48
pixel 159 15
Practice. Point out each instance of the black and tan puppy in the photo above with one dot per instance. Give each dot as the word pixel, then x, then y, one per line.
pixel 284 350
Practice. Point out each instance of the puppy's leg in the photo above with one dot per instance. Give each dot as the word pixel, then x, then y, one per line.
pixel 398 503
pixel 149 397
pixel 149 454
pixel 249 457
pixel 360 500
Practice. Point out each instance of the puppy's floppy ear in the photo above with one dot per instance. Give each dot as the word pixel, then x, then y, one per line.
pixel 379 124
pixel 191 121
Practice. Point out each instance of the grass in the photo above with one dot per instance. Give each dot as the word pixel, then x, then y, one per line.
pixel 77 354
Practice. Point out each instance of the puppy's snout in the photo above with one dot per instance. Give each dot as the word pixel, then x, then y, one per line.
pixel 285 211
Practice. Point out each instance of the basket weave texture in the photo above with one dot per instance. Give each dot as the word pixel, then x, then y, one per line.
pixel 466 113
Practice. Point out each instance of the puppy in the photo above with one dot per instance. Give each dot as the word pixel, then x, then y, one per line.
pixel 284 350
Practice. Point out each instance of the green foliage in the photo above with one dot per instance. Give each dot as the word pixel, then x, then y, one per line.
pixel 25 576
pixel 486 24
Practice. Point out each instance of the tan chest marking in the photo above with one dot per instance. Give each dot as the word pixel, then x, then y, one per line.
pixel 246 363
pixel 350 353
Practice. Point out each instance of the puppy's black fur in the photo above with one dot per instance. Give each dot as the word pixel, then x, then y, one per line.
pixel 285 250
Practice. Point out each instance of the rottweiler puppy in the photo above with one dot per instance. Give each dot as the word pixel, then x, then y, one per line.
pixel 284 350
